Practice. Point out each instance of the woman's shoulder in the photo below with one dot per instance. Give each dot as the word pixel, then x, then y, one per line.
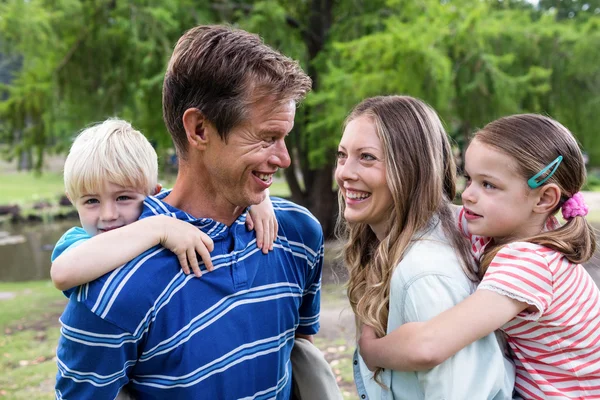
pixel 430 254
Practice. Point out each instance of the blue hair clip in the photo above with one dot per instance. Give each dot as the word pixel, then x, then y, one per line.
pixel 533 183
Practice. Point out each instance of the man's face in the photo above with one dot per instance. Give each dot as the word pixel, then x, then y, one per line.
pixel 242 168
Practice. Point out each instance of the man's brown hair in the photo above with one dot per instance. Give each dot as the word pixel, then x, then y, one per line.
pixel 220 71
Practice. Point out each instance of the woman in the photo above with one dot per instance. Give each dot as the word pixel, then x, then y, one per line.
pixel 406 259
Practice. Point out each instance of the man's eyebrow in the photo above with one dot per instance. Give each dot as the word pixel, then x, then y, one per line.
pixel 270 131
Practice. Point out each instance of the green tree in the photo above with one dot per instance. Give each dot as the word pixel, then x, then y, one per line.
pixel 473 61
pixel 83 62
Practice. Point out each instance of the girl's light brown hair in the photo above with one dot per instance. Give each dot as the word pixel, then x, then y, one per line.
pixel 421 174
pixel 534 141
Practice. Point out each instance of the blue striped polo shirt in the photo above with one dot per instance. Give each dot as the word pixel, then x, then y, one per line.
pixel 226 335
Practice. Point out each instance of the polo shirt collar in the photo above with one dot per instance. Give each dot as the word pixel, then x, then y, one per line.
pixel 154 205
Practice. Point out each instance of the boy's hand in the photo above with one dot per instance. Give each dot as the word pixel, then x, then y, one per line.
pixel 185 240
pixel 261 217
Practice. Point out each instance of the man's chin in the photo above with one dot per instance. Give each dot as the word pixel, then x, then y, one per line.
pixel 259 197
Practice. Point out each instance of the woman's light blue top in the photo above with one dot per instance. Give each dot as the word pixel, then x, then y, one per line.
pixel 427 281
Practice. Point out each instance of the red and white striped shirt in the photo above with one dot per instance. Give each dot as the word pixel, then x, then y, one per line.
pixel 557 347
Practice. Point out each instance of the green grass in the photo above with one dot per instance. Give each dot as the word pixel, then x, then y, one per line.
pixel 25 188
pixel 29 322
pixel 31 301
pixel 593 217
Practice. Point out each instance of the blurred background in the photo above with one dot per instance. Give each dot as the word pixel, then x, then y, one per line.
pixel 65 64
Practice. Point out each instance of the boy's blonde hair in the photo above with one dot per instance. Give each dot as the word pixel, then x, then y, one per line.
pixel 111 151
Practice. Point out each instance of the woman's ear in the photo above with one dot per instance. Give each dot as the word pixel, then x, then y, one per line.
pixel 549 197
pixel 157 189
pixel 195 125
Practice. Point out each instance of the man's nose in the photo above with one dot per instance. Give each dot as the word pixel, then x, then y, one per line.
pixel 280 156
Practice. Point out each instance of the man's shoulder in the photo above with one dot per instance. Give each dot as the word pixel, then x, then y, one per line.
pixel 126 295
pixel 297 224
pixel 290 212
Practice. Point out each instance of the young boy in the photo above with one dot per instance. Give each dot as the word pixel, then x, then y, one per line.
pixel 109 171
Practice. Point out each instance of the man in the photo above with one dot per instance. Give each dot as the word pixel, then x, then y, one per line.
pixel 228 102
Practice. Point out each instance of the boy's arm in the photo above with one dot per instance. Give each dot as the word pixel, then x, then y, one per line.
pixel 417 346
pixel 108 251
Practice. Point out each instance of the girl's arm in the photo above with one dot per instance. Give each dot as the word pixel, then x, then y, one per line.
pixel 417 346
pixel 261 217
pixel 108 251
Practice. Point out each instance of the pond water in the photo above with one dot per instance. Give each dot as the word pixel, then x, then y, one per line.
pixel 25 252
pixel 25 249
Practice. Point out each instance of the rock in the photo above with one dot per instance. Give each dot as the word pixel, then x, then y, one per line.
pixel 34 218
pixel 13 210
pixel 6 239
pixel 40 205
pixel 64 201
pixel 7 296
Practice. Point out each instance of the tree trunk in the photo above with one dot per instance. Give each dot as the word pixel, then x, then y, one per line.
pixel 319 195
pixel 323 199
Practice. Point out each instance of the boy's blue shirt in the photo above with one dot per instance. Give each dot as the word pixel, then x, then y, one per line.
pixel 69 240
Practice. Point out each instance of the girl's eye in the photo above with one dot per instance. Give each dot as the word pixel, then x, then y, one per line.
pixel 91 201
pixel 467 179
pixel 487 185
pixel 123 198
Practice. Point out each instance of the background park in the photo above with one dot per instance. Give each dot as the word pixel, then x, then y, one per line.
pixel 67 63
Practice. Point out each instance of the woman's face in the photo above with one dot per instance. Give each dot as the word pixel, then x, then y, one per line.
pixel 361 176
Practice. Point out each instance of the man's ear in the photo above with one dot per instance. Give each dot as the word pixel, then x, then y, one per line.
pixel 196 126
pixel 549 197
pixel 157 189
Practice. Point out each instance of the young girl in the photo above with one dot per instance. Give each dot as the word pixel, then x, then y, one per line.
pixel 521 170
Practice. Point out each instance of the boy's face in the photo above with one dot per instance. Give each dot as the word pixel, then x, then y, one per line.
pixel 113 207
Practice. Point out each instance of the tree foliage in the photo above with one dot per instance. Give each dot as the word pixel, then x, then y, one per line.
pixel 67 63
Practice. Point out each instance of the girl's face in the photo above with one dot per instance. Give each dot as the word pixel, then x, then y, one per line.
pixel 497 201
pixel 361 176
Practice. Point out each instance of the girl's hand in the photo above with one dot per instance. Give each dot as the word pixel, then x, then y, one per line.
pixel 367 339
pixel 261 217
pixel 185 240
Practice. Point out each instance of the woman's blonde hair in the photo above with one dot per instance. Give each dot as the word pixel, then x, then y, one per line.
pixel 111 151
pixel 420 172
pixel 534 141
